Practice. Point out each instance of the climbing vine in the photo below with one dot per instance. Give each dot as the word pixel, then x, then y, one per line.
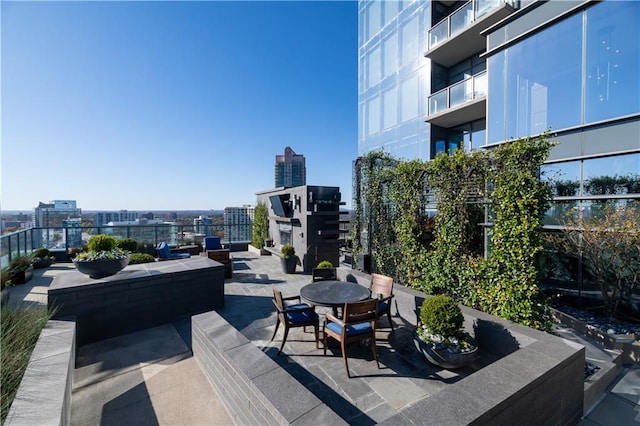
pixel 260 225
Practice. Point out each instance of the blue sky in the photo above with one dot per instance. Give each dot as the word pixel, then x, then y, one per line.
pixel 173 105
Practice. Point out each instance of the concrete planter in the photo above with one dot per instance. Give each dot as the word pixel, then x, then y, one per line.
pixel 101 268
pixel 22 277
pixel 289 264
pixel 444 359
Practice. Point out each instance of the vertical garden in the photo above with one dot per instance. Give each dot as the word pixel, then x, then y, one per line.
pixel 467 225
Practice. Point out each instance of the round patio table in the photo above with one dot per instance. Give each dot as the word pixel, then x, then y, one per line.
pixel 334 294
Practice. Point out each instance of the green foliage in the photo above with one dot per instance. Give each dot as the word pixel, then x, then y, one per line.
pixel 41 253
pixel 260 231
pixel 325 264
pixel 519 200
pixel 100 247
pixel 441 315
pixel 20 329
pixel 445 254
pixel 19 264
pixel 288 250
pixel 128 244
pixel 610 249
pixel 136 258
pixel 102 242
pixel 458 183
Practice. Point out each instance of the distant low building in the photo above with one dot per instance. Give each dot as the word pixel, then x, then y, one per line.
pixel 102 218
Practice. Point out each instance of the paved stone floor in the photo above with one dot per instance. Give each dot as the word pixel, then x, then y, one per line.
pixel 150 377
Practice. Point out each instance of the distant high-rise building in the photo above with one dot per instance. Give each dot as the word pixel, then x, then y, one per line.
pixel 54 217
pixel 290 169
pixel 238 223
pixel 102 218
pixel 202 224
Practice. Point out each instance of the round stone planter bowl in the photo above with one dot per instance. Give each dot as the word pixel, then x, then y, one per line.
pixel 444 359
pixel 101 268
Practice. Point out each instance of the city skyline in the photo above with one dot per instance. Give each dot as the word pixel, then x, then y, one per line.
pixel 173 106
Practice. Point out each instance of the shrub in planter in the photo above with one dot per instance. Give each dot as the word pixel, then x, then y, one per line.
pixel 325 264
pixel 289 259
pixel 439 334
pixel 103 258
pixel 20 269
pixel 136 258
pixel 128 244
pixel 41 258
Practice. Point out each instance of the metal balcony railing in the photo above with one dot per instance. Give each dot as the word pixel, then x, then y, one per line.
pixel 458 93
pixel 60 241
pixel 462 18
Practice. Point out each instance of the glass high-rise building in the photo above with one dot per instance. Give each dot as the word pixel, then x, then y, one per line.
pixel 439 75
pixel 290 169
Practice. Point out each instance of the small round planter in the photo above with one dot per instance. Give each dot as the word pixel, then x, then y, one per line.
pixel 101 268
pixel 444 359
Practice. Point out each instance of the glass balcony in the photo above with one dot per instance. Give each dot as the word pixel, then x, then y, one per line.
pixel 462 18
pixel 464 91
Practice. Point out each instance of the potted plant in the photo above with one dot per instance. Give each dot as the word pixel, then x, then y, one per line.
pixel 289 259
pixel 41 258
pixel 102 258
pixel 20 269
pixel 439 335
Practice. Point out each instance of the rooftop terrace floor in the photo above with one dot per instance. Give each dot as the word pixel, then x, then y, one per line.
pixel 151 378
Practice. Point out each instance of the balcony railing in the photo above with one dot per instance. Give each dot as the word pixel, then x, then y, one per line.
pixel 461 19
pixel 464 91
pixel 61 240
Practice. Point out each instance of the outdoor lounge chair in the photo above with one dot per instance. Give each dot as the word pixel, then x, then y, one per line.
pixel 164 253
pixel 358 323
pixel 296 315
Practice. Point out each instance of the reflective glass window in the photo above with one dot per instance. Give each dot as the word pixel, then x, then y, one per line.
pixel 373 19
pixel 390 53
pixel 373 116
pixel 373 64
pixel 543 86
pixel 495 102
pixel 564 178
pixel 410 98
pixel 612 175
pixel 478 135
pixel 390 10
pixel 410 45
pixel 390 104
pixel 613 60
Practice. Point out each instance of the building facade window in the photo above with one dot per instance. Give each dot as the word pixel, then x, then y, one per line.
pixel 581 70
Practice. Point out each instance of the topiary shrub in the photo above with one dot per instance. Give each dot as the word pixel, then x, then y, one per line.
pixel 441 315
pixel 102 242
pixel 325 264
pixel 128 244
pixel 136 258
pixel 288 250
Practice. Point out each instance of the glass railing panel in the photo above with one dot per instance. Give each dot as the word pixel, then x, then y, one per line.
pixel 461 19
pixel 439 33
pixel 484 6
pixel 460 93
pixel 480 85
pixel 438 102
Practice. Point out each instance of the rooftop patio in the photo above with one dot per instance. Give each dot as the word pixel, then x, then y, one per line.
pixel 157 381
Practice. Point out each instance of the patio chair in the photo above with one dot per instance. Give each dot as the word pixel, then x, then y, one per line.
pixel 212 243
pixel 358 323
pixel 294 315
pixel 381 287
pixel 324 274
pixel 164 253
